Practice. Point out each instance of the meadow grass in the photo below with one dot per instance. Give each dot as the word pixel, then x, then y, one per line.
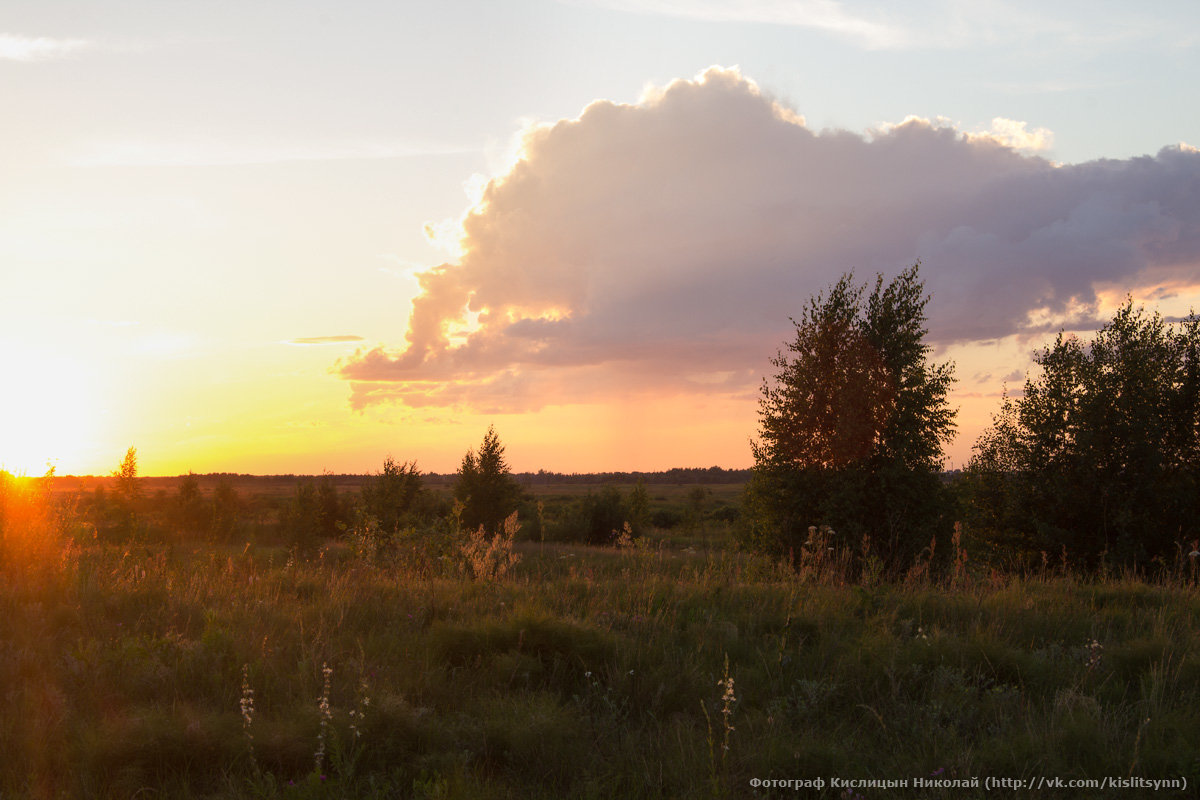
pixel 647 671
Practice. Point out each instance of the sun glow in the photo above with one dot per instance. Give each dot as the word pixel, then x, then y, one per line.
pixel 47 411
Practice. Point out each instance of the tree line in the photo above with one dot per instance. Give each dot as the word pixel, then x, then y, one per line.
pixel 1096 460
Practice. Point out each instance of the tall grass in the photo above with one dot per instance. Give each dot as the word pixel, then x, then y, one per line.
pixel 579 672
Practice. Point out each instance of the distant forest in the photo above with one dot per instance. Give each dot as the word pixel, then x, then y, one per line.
pixel 675 475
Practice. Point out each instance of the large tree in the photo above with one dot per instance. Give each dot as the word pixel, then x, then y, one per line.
pixel 486 487
pixel 1100 454
pixel 852 426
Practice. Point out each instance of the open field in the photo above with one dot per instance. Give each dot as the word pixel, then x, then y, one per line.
pixel 657 670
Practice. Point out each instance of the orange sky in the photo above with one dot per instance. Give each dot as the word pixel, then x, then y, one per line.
pixel 307 238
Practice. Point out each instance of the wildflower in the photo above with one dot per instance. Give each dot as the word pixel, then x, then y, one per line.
pixel 326 716
pixel 359 714
pixel 247 708
pixel 728 699
pixel 247 701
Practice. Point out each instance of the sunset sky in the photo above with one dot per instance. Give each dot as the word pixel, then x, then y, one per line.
pixel 288 237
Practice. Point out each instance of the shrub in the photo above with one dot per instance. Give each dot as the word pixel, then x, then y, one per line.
pixel 599 518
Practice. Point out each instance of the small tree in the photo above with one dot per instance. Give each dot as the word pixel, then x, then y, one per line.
pixel 226 510
pixel 485 487
pixel 852 427
pixel 188 511
pixel 391 495
pixel 128 488
pixel 639 506
pixel 127 496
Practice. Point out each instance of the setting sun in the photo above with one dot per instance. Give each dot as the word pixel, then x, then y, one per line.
pixel 48 412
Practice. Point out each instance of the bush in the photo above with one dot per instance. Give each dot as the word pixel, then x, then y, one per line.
pixel 599 518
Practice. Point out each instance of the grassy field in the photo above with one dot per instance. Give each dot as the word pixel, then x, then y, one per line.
pixel 677 667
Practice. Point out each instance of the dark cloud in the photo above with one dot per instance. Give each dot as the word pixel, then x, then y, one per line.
pixel 661 247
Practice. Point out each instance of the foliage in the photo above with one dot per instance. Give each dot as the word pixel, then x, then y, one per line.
pixel 127 488
pixel 491 557
pixel 316 513
pixel 1101 453
pixel 486 487
pixel 391 496
pixel 639 505
pixel 189 514
pixel 600 517
pixel 852 426
pixel 122 520
pixel 225 522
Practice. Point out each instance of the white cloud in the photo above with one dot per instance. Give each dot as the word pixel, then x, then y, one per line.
pixel 1014 134
pixel 651 247
pixel 40 48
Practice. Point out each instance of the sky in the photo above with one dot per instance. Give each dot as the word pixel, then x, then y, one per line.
pixel 295 237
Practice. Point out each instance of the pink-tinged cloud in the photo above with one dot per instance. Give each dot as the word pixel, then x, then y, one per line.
pixel 662 247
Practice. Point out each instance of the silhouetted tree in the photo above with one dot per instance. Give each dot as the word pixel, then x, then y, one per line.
pixel 1101 454
pixel 188 510
pixel 391 495
pixel 124 519
pixel 639 506
pixel 226 505
pixel 330 509
pixel 486 487
pixel 852 426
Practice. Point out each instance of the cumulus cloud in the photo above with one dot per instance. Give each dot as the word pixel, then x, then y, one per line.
pixel 662 246
pixel 40 48
pixel 1013 133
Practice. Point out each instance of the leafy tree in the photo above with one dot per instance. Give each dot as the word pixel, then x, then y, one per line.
pixel 128 488
pixel 486 487
pixel 1101 453
pixel 314 513
pixel 639 505
pixel 697 499
pixel 301 521
pixel 600 517
pixel 391 496
pixel 852 427
pixel 123 512
pixel 226 507
pixel 330 509
pixel 188 511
